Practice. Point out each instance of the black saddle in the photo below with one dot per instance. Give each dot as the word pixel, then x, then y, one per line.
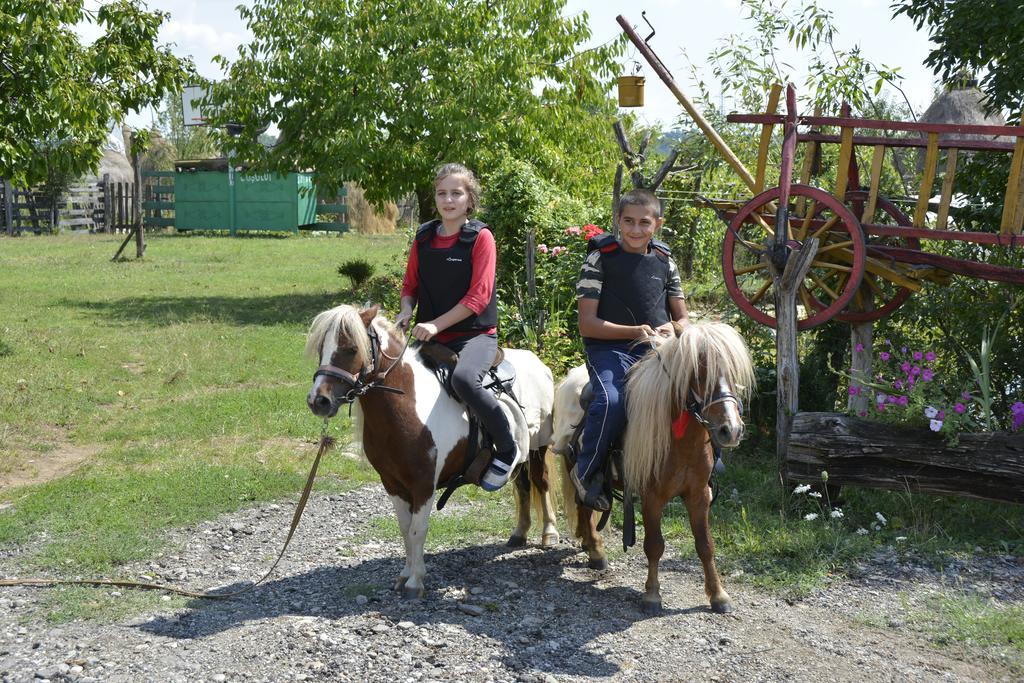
pixel 441 360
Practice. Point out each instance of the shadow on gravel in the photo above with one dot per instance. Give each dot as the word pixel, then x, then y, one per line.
pixel 529 598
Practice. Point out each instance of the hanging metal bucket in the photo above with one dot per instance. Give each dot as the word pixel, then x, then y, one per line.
pixel 631 91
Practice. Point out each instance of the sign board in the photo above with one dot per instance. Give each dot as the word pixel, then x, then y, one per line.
pixel 192 113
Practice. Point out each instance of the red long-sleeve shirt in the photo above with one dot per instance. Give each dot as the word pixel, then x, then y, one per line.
pixel 481 284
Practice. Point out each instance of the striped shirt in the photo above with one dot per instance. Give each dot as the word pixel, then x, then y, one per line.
pixel 592 278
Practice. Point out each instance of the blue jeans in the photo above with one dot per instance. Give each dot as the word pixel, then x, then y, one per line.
pixel 606 416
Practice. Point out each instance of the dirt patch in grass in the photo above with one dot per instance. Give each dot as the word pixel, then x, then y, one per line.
pixel 23 466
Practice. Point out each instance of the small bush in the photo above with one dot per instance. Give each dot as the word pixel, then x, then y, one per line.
pixel 358 271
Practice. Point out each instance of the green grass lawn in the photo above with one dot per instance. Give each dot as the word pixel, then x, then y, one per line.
pixel 182 375
pixel 181 379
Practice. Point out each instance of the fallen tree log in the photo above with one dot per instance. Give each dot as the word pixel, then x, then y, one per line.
pixel 856 452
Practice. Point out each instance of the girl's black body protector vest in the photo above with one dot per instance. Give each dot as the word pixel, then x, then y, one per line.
pixel 445 276
pixel 634 289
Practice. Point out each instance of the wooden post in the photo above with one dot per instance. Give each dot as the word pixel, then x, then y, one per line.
pixel 861 334
pixel 140 239
pixel 787 364
pixel 8 207
pixel 107 204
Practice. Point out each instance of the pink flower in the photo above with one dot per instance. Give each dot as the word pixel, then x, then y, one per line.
pixel 884 355
pixel 881 407
pixel 927 375
pixel 902 400
pixel 898 384
pixel 918 355
pixel 942 414
pixel 558 250
pixel 854 390
pixel 905 366
pixel 959 408
pixel 858 348
pixel 930 356
pixel 863 413
pixel 542 248
pixel 574 230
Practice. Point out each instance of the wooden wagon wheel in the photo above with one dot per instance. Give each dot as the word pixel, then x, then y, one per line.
pixel 887 295
pixel 834 276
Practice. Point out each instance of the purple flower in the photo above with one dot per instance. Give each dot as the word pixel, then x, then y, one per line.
pixel 905 366
pixel 918 355
pixel 863 413
pixel 858 348
pixel 915 371
pixel 966 396
pixel 888 343
pixel 903 349
pixel 881 407
pixel 854 390
pixel 942 414
pixel 884 355
pixel 902 400
pixel 959 408
pixel 927 375
pixel 930 356
pixel 910 382
pixel 935 425
pixel 893 399
pixel 898 384
pixel 1017 408
pixel 1018 421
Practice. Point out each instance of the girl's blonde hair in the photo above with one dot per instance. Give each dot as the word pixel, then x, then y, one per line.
pixel 472 184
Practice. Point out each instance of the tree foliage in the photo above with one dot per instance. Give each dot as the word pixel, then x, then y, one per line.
pixel 380 92
pixel 976 36
pixel 59 96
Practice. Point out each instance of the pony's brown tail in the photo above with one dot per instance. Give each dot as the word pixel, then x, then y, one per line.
pixel 569 500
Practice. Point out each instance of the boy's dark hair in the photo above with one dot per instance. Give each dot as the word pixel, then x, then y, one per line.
pixel 644 198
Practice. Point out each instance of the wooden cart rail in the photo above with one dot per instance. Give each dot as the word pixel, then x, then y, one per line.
pixel 1013 207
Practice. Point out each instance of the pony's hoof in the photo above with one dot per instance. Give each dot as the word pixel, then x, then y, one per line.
pixel 412 593
pixel 400 583
pixel 516 541
pixel 548 540
pixel 723 607
pixel 651 608
pixel 599 563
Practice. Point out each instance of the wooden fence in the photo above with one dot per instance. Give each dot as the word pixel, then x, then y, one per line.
pixel 105 206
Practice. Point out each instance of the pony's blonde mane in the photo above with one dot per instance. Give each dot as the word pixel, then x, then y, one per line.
pixel 334 323
pixel 658 384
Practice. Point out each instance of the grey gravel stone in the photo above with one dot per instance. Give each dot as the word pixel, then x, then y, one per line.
pixel 490 613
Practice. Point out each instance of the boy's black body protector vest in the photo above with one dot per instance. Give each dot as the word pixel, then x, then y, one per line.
pixel 635 286
pixel 445 276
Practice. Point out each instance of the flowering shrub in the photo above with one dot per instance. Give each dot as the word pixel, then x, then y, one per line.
pixel 906 388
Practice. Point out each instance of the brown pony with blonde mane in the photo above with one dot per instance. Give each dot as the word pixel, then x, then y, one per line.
pixel 682 398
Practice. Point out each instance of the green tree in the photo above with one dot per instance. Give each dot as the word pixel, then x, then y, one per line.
pixel 59 96
pixel 380 92
pixel 976 36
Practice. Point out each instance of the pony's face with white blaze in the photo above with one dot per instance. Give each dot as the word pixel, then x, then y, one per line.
pixel 347 341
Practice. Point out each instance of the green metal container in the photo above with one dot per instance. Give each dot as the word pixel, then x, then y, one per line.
pixel 208 198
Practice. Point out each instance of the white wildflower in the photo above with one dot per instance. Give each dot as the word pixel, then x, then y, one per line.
pixel 876 527
pixel 811 516
pixel 837 514
pixel 861 531
pixel 814 494
pixel 935 425
pixel 881 518
pixel 900 539
pixel 802 488
pixel 931 412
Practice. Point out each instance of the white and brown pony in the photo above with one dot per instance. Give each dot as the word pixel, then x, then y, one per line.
pixel 414 435
pixel 680 399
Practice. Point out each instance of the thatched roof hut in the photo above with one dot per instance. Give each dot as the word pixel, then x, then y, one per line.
pixel 960 103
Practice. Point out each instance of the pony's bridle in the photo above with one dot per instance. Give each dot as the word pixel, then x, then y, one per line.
pixel 358 384
pixel 697 406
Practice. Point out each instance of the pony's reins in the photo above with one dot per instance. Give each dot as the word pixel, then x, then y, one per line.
pixel 325 443
pixel 358 386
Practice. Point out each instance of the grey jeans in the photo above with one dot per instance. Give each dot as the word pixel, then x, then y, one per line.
pixel 475 357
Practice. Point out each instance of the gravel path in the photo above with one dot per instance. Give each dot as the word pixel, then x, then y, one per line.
pixel 491 614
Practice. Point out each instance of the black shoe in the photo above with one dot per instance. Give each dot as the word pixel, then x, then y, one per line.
pixel 590 493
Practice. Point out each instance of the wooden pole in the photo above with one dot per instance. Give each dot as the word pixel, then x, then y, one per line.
pixel 107 204
pixel 140 238
pixel 8 207
pixel 787 362
pixel 702 123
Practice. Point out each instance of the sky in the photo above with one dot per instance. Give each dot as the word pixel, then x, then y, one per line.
pixel 687 31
